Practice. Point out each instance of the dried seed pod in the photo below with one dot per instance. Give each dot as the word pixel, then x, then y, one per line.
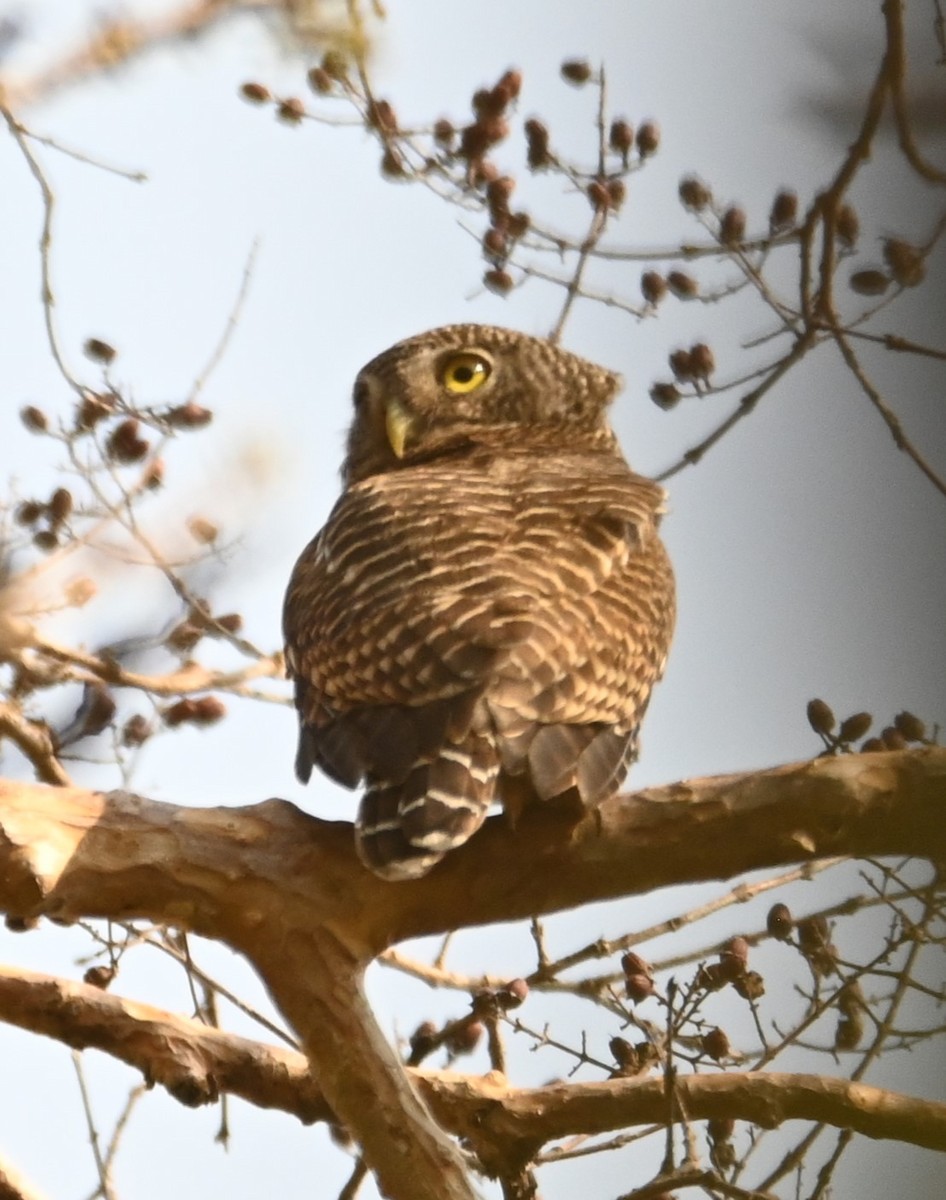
pixel 320 81
pixel 779 922
pixel 873 745
pixel 637 987
pixel 465 1038
pixel 893 739
pixel 854 727
pixel 136 730
pixel 291 110
pixel 905 262
pixel 617 193
pixel 498 194
pixel 231 622
pixel 694 194
pixel 100 977
pixel 124 445
pixel 444 133
pixel 34 419
pixel 653 287
pixel 510 82
pixel 680 364
pixel 869 282
pixel 784 211
pixel 256 93
pixel 648 139
pixel 28 512
pixel 153 477
pixel 184 637
pixel 99 351
pixel 93 409
pixel 750 986
pixel 500 282
pixel 851 998
pixel 517 225
pixel 335 65
pixel 820 717
pixel 597 193
pixel 715 1044
pixel 814 942
pixel 732 226
pixel 202 530
pixel 723 1155
pixel 188 416
pixel 734 957
pixel 910 726
pixel 711 976
pixel 624 1054
pixel 621 138
pixel 380 116
pixel 79 591
pixel 665 395
pixel 208 710
pixel 633 964
pixel 576 71
pixel 537 144
pixel 849 1031
pixel 720 1129
pixel 474 142
pixel 95 713
pixel 494 244
pixel 45 540
pixel 513 994
pixel 702 362
pixel 422 1041
pixel 683 286
pixel 60 505
pixel 848 225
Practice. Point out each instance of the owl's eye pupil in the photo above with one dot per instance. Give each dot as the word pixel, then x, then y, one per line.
pixel 463 374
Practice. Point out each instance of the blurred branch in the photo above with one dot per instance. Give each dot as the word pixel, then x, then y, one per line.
pixel 897 65
pixel 193 1061
pixel 34 740
pixel 505 1124
pixel 13 1186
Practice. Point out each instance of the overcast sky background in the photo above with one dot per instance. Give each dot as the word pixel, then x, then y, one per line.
pixel 808 550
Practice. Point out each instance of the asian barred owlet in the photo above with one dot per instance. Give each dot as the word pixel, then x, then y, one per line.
pixel 489 605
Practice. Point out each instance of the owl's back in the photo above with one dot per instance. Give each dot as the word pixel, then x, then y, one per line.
pixel 486 624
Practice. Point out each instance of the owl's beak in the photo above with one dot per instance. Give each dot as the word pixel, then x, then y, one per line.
pixel 399 425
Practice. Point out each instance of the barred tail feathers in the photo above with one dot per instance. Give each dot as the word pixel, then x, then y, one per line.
pixel 405 829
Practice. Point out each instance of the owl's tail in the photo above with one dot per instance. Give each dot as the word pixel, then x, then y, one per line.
pixel 404 829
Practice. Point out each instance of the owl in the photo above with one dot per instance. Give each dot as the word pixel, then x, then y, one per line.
pixel 484 614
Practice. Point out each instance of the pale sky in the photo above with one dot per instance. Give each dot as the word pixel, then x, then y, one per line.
pixel 808 550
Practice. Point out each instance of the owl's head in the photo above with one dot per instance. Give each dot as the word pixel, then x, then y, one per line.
pixel 472 384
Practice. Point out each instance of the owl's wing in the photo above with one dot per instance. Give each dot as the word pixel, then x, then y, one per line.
pixel 432 589
pixel 569 698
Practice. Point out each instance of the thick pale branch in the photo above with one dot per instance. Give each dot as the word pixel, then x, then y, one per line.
pixel 194 1062
pixel 505 1124
pixel 287 890
pixel 496 1117
pixel 240 874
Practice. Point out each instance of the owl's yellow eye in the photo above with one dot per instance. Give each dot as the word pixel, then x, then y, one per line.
pixel 463 373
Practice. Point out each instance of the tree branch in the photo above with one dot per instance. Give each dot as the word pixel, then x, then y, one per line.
pixel 506 1125
pixel 238 874
pixel 288 892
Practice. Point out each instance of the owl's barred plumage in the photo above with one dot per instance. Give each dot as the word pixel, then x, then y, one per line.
pixel 489 605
